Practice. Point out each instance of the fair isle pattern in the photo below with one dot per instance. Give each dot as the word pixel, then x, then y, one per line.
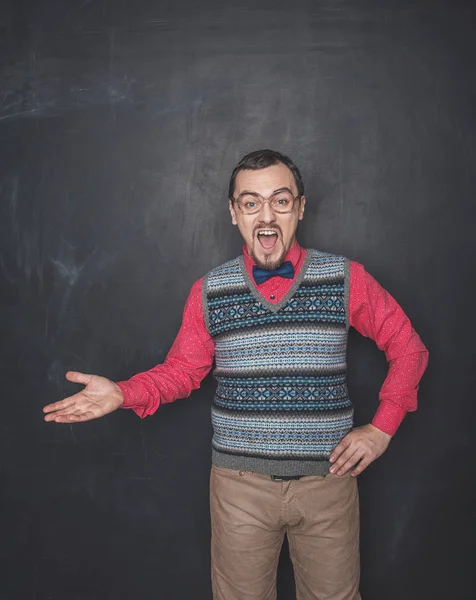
pixel 281 368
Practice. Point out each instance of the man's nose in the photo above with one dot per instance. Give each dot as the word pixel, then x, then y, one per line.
pixel 267 214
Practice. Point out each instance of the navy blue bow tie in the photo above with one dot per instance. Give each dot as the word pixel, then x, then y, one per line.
pixel 285 270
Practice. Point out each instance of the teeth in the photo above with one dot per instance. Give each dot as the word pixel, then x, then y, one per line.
pixel 267 233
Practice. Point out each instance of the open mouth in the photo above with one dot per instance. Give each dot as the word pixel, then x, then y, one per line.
pixel 267 238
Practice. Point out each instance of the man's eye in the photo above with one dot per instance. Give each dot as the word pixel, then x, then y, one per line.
pixel 282 201
pixel 250 204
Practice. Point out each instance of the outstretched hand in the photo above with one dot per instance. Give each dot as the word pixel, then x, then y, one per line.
pixel 100 397
pixel 363 444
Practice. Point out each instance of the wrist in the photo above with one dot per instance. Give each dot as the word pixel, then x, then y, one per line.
pixel 122 392
pixel 388 417
pixel 381 432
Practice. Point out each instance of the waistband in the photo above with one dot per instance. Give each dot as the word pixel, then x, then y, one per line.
pixel 278 468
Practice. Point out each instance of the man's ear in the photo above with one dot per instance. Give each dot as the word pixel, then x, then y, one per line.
pixel 232 212
pixel 302 203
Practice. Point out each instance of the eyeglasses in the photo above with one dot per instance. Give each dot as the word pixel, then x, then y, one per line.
pixel 251 203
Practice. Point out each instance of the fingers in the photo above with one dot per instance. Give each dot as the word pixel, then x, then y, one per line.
pixel 341 447
pixel 69 410
pixel 69 402
pixel 62 404
pixel 77 417
pixel 78 377
pixel 346 461
pixel 363 464
pixel 73 404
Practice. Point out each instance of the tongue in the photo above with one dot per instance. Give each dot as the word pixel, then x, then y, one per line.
pixel 267 241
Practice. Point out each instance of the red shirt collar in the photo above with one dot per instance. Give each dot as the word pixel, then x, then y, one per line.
pixel 294 254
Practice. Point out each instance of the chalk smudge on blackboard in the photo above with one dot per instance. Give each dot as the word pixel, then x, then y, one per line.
pixel 70 273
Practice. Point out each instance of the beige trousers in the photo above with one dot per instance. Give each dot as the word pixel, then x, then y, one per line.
pixel 250 513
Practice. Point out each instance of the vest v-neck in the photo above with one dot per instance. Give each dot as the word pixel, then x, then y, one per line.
pixel 274 308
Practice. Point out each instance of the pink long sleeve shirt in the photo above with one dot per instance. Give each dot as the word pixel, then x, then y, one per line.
pixel 373 312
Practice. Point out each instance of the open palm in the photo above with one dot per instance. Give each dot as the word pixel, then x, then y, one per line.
pixel 100 397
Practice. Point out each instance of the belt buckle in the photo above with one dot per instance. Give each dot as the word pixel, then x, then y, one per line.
pixel 285 477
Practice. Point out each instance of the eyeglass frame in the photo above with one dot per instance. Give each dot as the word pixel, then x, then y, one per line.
pixel 264 200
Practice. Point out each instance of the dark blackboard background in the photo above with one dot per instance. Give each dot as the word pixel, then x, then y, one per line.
pixel 120 123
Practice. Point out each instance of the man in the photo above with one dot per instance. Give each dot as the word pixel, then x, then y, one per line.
pixel 285 455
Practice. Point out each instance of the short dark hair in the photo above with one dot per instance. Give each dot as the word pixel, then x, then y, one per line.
pixel 260 159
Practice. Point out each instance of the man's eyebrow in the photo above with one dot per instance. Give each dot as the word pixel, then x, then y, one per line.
pixel 282 189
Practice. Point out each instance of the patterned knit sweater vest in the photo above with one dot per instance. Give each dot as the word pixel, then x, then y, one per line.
pixel 281 404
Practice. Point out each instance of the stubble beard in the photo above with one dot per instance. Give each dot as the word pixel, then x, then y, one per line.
pixel 269 264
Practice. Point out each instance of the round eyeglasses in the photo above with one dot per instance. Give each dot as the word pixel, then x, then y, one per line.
pixel 251 203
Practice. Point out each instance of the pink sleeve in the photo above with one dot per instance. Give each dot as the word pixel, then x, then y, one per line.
pixel 187 363
pixel 374 313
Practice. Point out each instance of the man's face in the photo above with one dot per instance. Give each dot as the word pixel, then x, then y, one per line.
pixel 268 252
